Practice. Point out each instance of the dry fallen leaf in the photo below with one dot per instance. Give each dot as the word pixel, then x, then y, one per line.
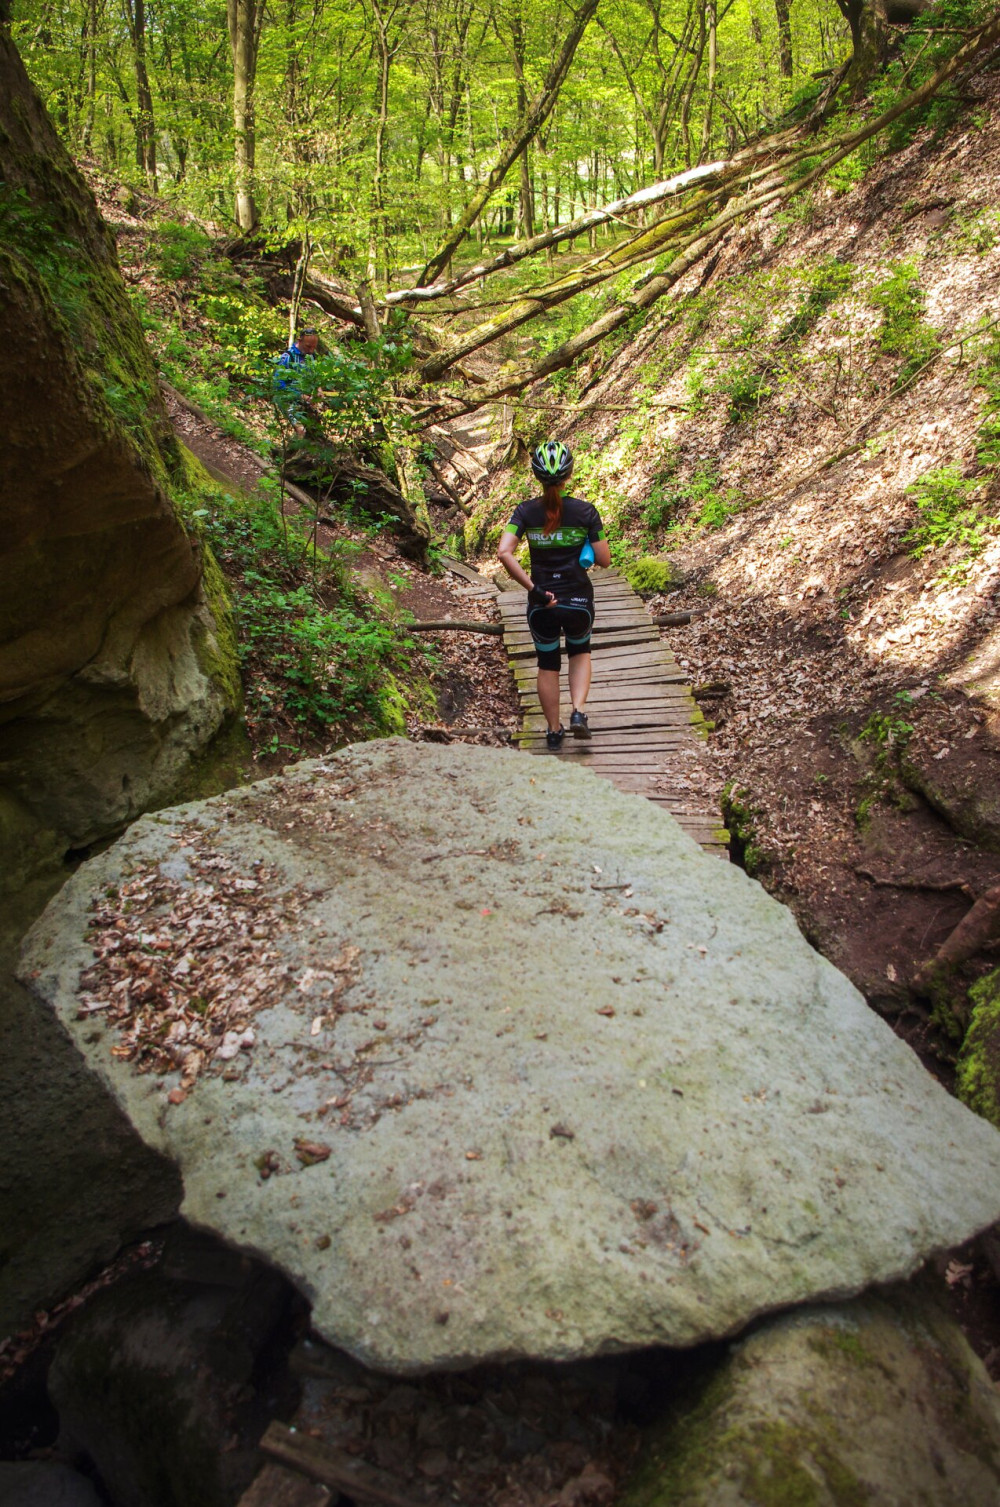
pixel 310 1152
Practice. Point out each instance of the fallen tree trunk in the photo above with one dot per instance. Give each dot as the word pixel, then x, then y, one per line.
pixel 780 187
pixel 453 625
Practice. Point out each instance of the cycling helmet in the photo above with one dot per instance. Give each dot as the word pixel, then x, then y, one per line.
pixel 552 461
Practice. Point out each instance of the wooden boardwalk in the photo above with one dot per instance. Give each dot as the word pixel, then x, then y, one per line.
pixel 647 729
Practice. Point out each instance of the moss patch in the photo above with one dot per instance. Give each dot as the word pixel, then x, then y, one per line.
pixel 978 1080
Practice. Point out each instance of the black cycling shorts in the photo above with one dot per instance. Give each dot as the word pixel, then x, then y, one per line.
pixel 573 618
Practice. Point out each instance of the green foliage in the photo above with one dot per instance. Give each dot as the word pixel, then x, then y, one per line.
pixel 348 385
pixel 947 514
pixel 975 230
pixel 926 43
pixel 888 732
pixel 317 656
pixel 179 249
pixel 745 387
pixel 905 332
pixel 742 818
pixel 825 282
pixel 333 660
pixel 850 171
pixel 648 574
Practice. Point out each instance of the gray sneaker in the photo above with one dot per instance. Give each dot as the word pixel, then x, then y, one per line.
pixel 579 726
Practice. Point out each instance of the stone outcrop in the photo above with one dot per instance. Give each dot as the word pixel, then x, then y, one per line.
pixel 166 1380
pixel 494 1062
pixel 877 1402
pixel 117 666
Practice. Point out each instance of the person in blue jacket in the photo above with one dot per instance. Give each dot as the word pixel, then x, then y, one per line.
pixel 287 392
pixel 560 593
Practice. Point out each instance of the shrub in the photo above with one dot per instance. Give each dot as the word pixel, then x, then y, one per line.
pixel 746 387
pixel 648 574
pixel 823 285
pixel 947 513
pixel 180 249
pixel 905 332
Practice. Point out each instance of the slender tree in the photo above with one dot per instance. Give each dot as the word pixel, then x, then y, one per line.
pixel 245 19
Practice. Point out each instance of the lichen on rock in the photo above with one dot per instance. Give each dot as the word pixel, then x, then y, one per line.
pixel 876 1401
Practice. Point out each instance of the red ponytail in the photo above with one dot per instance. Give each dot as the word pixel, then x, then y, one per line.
pixel 552 498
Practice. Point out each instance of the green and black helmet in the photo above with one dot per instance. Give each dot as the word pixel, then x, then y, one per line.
pixel 552 461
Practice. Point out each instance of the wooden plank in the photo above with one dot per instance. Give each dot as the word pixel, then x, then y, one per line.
pixel 604 699
pixel 525 648
pixel 343 1472
pixel 645 722
pixel 277 1487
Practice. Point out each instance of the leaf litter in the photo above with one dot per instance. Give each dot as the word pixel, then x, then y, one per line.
pixel 182 964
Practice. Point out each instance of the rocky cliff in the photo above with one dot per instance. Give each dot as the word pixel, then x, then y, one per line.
pixel 116 665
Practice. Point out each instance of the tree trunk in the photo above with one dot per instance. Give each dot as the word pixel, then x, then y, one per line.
pixel 712 24
pixel 90 41
pixel 870 38
pixel 145 124
pixel 245 18
pixel 376 231
pixel 526 209
pixel 783 12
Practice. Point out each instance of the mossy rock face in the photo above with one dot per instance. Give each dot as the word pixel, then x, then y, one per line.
pixel 979 1061
pixel 117 666
pixel 873 1403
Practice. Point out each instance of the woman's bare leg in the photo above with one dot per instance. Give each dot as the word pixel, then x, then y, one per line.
pixel 579 681
pixel 548 695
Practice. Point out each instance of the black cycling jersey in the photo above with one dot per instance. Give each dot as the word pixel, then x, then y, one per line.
pixel 555 557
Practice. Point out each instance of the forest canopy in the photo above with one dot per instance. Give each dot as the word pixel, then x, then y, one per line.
pixel 376 123
pixel 400 153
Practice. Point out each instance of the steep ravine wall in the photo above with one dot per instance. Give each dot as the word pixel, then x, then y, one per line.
pixel 112 661
pixel 118 681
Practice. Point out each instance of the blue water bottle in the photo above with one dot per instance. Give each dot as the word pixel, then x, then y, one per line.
pixel 587 555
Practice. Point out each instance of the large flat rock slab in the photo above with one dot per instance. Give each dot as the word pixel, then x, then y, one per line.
pixel 493 1061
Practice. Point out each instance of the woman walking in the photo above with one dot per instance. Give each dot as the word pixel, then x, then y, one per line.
pixel 560 593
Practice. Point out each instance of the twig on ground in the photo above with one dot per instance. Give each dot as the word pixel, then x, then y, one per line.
pixel 335 1468
pixel 942 886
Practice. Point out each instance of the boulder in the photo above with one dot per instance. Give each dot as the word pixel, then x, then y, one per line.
pixel 493 1061
pixel 38 1483
pixel 166 1379
pixel 875 1403
pixel 117 657
pixel 957 775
